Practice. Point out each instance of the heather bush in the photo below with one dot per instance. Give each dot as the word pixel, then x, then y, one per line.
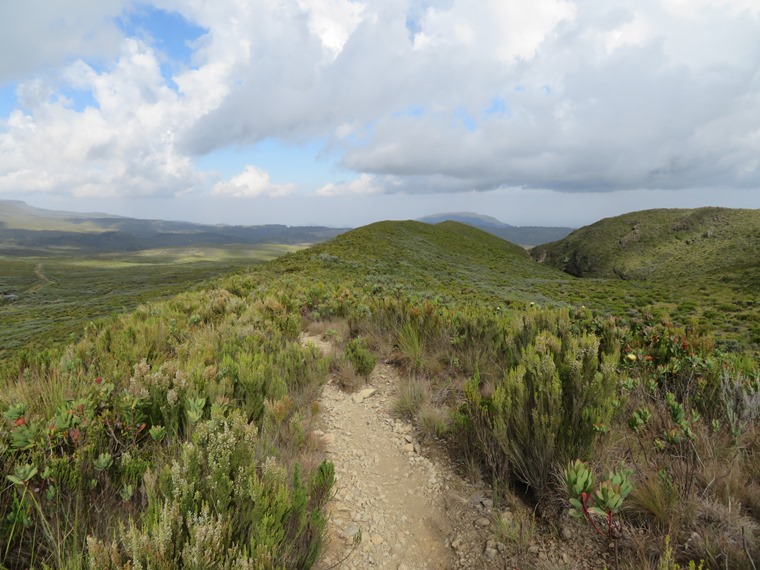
pixel 547 408
pixel 153 418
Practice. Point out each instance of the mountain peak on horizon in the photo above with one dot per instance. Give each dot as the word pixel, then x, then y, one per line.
pixel 471 218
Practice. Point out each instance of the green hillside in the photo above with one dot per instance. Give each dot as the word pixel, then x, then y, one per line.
pixel 674 246
pixel 432 258
pixel 461 264
pixel 451 261
pixel 190 421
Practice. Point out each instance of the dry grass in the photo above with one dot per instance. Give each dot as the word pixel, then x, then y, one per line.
pixel 413 394
pixel 434 422
pixel 334 331
pixel 344 374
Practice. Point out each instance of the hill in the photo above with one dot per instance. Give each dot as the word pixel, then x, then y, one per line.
pixel 195 422
pixel 25 230
pixel 443 259
pixel 526 236
pixel 674 246
pixel 464 264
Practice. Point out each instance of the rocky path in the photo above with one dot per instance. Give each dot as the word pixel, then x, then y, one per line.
pixel 395 507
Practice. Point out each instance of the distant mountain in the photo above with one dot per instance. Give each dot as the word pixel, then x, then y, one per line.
pixel 675 245
pixel 526 236
pixel 25 229
pixel 469 218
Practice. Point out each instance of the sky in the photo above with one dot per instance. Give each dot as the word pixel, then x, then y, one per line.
pixel 345 112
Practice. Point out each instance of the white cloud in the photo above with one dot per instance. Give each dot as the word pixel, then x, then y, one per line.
pixel 43 33
pixel 251 183
pixel 364 184
pixel 412 96
pixel 333 21
pixel 508 30
pixel 121 145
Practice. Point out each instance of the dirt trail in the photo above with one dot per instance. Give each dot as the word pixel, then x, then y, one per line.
pixel 411 512
pixel 42 277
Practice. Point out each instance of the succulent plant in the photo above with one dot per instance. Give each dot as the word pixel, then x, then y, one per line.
pixel 603 502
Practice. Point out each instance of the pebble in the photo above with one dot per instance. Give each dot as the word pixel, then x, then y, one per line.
pixel 362 395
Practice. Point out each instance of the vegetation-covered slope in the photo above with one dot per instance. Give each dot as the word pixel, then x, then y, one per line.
pixel 676 246
pixel 44 299
pixel 179 435
pixel 452 260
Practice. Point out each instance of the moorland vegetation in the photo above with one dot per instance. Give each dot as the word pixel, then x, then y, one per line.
pixel 179 434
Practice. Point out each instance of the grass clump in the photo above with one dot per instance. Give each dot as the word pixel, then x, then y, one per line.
pixel 413 394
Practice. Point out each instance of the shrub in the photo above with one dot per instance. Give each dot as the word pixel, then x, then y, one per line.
pixel 219 505
pixel 546 409
pixel 362 359
pixel 410 347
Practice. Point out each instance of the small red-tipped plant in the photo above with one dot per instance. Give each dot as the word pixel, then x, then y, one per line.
pixel 599 505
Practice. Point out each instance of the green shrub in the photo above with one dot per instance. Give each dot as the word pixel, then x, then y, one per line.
pixel 220 505
pixel 410 347
pixel 363 360
pixel 546 409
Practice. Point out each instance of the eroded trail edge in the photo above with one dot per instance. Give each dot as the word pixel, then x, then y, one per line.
pixel 410 509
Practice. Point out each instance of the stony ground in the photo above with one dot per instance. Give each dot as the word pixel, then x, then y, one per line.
pixel 399 504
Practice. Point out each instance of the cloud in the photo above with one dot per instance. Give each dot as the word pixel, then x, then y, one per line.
pixel 596 96
pixel 122 144
pixel 410 96
pixel 364 184
pixel 38 34
pixel 333 21
pixel 250 183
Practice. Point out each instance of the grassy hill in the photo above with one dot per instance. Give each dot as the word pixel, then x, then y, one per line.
pixel 677 246
pixel 189 421
pixel 451 260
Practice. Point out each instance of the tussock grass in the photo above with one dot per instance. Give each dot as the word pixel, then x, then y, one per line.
pixel 413 393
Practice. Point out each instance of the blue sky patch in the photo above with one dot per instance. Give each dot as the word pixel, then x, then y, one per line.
pixel 413 111
pixel 7 100
pixel 461 117
pixel 498 107
pixel 286 163
pixel 413 27
pixel 78 99
pixel 168 32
